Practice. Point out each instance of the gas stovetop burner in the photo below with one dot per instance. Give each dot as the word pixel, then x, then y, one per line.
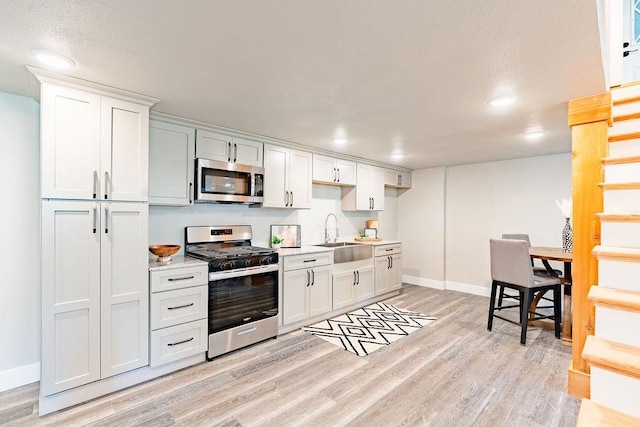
pixel 227 248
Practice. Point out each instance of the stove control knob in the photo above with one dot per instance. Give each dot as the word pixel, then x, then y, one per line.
pixel 266 260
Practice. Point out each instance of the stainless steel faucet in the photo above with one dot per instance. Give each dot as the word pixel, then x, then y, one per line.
pixel 326 231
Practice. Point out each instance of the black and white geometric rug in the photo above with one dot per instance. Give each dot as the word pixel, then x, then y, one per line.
pixel 369 328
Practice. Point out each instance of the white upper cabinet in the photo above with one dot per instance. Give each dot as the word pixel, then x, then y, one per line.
pixel 225 148
pixel 332 171
pixel 125 150
pixel 171 162
pixel 93 147
pixel 368 194
pixel 287 178
pixel 396 179
pixel 70 143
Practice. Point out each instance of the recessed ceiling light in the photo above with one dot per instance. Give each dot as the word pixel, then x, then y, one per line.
pixel 502 101
pixel 340 140
pixel 534 135
pixel 52 59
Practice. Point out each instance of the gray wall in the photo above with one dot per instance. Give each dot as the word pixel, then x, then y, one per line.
pixel 20 237
pixel 449 215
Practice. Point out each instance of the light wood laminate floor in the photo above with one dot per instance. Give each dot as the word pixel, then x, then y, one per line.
pixel 452 372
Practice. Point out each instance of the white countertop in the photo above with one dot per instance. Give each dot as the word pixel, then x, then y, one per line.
pixel 302 250
pixel 176 262
pixel 379 242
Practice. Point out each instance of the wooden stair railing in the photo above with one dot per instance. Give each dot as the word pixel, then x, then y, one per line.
pixel 594 415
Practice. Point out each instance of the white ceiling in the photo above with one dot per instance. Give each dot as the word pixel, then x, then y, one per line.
pixel 409 75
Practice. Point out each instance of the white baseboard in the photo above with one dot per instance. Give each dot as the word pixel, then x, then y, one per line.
pixel 17 377
pixel 428 283
pixel 468 289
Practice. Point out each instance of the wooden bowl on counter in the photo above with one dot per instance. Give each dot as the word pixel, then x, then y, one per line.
pixel 164 252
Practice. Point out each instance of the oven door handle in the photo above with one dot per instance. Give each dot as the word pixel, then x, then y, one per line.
pixel 219 275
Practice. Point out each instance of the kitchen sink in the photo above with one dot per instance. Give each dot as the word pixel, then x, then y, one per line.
pixel 337 244
pixel 348 251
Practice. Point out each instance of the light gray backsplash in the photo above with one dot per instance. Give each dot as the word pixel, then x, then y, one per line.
pixel 166 224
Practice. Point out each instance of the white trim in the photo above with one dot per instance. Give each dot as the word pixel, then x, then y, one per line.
pixel 427 283
pixel 20 376
pixel 468 289
pixel 46 76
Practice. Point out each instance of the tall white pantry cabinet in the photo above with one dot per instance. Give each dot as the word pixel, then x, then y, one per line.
pixel 95 288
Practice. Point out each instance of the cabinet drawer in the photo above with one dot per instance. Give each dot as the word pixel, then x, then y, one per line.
pixel 307 261
pixel 177 342
pixel 179 306
pixel 381 250
pixel 185 277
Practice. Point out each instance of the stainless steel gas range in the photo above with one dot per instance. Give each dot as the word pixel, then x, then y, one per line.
pixel 243 286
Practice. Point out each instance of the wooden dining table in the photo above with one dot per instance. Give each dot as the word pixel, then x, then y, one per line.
pixel 556 254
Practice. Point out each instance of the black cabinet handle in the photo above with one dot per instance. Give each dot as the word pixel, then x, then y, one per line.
pixel 179 306
pixel 354 278
pixel 229 151
pixel 309 260
pixel 175 279
pixel 313 277
pixel 308 278
pixel 179 342
pixel 190 192
pixel 358 273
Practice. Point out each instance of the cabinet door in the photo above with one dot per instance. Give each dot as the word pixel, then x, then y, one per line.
pixel 213 146
pixel 171 160
pixel 346 172
pixel 70 295
pixel 124 156
pixel 343 289
pixel 276 163
pixel 382 264
pixel 376 188
pixel 320 291
pixel 324 169
pixel 365 284
pixel 300 179
pixel 363 194
pixel 125 287
pixel 70 143
pixel 395 272
pixel 247 152
pixel 294 296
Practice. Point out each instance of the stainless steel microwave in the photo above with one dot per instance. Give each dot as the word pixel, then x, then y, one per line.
pixel 222 182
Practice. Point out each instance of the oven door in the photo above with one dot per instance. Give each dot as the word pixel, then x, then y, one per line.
pixel 228 182
pixel 244 296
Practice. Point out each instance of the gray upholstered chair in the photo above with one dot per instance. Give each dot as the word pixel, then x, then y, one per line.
pixel 538 271
pixel 511 268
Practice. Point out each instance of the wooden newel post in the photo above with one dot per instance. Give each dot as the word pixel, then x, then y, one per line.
pixel 589 119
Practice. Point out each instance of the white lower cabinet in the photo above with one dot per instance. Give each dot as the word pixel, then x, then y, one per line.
pixel 306 287
pixel 95 306
pixel 352 285
pixel 179 304
pixel 388 264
